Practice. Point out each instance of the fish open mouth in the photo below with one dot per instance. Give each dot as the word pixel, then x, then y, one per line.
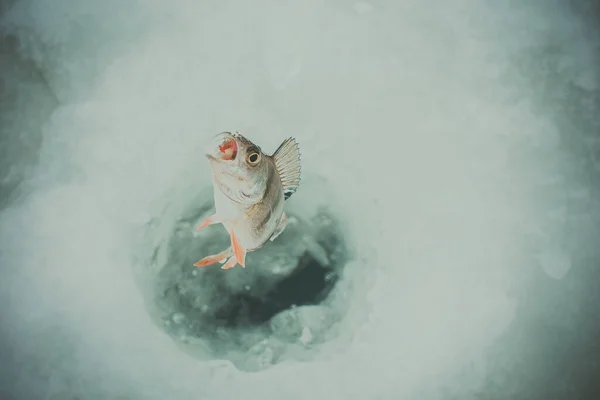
pixel 223 147
pixel 228 149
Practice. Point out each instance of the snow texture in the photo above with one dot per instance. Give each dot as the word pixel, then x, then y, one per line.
pixel 458 139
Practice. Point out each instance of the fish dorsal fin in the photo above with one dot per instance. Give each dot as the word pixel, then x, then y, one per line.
pixel 287 162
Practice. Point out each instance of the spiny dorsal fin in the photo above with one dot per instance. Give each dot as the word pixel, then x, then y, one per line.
pixel 287 161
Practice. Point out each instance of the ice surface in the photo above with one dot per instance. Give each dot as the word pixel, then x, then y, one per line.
pixel 555 263
pixel 455 141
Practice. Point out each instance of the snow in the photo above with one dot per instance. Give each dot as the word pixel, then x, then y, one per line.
pixel 424 128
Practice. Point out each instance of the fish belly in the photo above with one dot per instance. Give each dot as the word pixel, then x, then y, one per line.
pixel 227 210
pixel 251 233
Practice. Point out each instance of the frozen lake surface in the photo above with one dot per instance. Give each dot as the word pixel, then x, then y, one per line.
pixel 443 242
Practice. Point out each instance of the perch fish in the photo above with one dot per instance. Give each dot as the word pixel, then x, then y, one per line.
pixel 250 189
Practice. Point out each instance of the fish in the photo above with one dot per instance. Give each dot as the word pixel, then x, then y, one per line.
pixel 250 190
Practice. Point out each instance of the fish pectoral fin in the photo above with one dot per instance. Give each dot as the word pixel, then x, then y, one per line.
pixel 220 257
pixel 238 249
pixel 213 219
pixel 287 162
pixel 280 227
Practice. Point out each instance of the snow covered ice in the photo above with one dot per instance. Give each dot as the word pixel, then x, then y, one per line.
pixel 446 216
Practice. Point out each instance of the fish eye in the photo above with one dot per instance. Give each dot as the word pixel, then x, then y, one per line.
pixel 253 158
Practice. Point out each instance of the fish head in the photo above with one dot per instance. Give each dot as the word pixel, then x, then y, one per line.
pixel 239 167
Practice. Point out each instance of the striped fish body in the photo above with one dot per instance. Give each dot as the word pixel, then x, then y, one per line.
pixel 250 190
pixel 255 223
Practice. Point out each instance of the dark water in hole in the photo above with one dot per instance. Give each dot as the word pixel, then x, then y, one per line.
pixel 300 268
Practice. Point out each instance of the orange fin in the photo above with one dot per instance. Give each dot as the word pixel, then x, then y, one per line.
pixel 230 263
pixel 213 219
pixel 238 250
pixel 206 261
